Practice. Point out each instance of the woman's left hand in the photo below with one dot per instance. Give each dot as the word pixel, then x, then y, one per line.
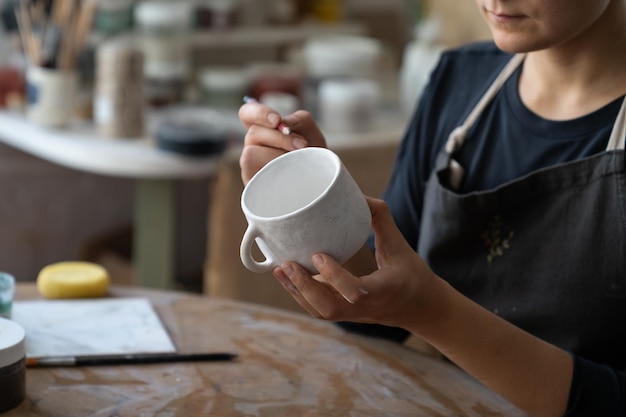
pixel 404 292
pixel 401 292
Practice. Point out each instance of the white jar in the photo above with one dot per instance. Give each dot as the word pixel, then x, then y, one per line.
pixel 12 364
pixel 348 105
pixel 164 28
pixel 419 58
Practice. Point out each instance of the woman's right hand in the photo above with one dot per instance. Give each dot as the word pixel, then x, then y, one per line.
pixel 264 142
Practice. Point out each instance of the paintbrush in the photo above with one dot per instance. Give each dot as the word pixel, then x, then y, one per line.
pixel 129 359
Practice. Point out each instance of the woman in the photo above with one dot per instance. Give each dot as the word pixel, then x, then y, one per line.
pixel 510 184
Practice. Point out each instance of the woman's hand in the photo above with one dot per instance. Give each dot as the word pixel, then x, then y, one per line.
pixel 264 142
pixel 401 292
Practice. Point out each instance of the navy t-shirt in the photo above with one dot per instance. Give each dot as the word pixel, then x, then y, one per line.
pixel 507 142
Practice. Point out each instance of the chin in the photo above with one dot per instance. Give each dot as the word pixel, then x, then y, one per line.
pixel 517 44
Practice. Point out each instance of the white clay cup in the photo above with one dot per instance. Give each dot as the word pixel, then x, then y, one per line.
pixel 51 96
pixel 301 203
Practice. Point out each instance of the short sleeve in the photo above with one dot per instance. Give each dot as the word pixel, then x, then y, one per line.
pixel 597 390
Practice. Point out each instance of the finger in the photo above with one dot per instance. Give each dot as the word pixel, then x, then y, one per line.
pixel 266 136
pixel 322 298
pixel 257 114
pixel 388 239
pixel 284 280
pixel 346 284
pixel 303 124
pixel 262 124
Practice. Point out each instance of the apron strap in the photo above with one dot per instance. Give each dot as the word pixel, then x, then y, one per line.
pixel 456 138
pixel 618 134
pixel 617 139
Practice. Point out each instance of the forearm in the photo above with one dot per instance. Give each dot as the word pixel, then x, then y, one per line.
pixel 528 372
pixel 404 292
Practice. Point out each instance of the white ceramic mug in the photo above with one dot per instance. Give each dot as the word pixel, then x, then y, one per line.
pixel 302 203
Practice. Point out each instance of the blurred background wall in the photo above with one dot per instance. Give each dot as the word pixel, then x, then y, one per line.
pixel 49 213
pixel 461 21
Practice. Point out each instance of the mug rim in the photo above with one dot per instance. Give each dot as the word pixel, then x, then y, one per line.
pixel 274 161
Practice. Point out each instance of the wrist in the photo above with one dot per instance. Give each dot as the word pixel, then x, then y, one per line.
pixel 433 309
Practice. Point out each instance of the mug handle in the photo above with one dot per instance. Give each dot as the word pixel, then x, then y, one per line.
pixel 245 253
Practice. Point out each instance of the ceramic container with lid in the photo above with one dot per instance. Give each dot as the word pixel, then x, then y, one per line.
pixel 164 28
pixel 12 364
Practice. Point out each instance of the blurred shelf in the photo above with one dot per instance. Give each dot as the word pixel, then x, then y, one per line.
pixel 272 35
pixel 155 173
pixel 81 147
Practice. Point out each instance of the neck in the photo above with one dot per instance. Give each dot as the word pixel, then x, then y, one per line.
pixel 579 76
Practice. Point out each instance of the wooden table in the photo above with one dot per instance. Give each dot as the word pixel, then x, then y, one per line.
pixel 288 365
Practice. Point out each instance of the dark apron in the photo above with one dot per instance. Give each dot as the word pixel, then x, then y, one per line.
pixel 546 252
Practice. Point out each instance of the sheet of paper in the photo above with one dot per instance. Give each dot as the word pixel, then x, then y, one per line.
pixel 96 326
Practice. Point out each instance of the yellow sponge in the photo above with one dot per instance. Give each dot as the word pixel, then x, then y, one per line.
pixel 73 280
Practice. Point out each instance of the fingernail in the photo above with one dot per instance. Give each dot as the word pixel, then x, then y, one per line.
pixel 273 118
pixel 299 143
pixel 318 260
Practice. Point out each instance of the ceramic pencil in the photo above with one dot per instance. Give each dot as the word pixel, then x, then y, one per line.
pixel 130 359
pixel 282 127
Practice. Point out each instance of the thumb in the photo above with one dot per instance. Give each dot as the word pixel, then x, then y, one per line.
pixel 388 240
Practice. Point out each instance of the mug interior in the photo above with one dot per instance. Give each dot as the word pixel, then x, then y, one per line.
pixel 291 182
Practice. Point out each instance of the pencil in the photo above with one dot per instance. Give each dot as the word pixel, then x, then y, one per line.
pixel 282 127
pixel 130 359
